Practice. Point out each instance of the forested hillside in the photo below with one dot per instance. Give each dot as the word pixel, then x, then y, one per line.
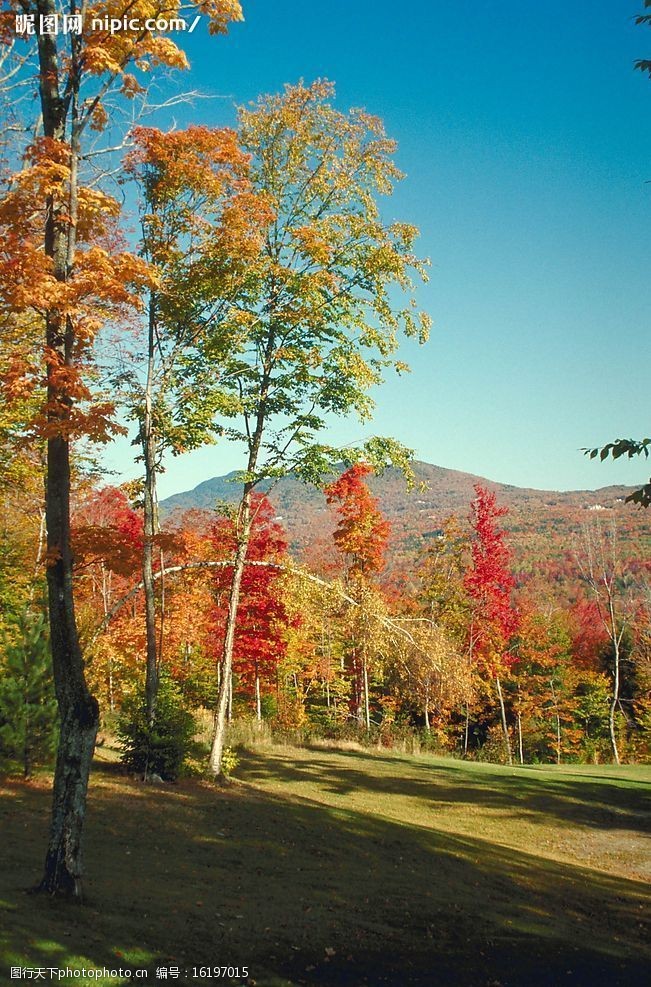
pixel 543 525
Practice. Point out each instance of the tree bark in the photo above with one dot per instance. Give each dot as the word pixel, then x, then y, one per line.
pixel 229 636
pixel 245 521
pixel 148 439
pixel 367 705
pixel 507 741
pixel 78 709
pixel 519 722
pixel 258 698
pixel 616 640
pixel 602 577
pixel 558 722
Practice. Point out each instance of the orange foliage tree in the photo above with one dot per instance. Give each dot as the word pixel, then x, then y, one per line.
pixel 59 264
pixel 361 536
pixel 107 540
pixel 202 225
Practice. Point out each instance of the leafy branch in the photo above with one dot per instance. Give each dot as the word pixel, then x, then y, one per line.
pixel 630 448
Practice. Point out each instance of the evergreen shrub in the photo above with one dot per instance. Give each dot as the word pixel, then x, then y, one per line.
pixel 28 707
pixel 162 747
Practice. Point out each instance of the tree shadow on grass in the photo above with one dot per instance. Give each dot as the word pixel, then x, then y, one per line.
pixel 305 894
pixel 579 800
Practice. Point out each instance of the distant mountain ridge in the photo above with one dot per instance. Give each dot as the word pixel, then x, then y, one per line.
pixel 418 514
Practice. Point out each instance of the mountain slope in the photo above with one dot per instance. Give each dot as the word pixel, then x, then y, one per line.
pixel 542 523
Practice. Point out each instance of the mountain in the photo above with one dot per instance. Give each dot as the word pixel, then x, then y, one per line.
pixel 542 523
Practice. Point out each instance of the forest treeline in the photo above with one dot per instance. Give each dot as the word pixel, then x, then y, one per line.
pixel 451 655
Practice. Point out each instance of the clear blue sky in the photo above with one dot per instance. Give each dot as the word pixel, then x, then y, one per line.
pixel 526 138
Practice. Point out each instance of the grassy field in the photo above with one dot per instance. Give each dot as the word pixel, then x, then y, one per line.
pixel 352 868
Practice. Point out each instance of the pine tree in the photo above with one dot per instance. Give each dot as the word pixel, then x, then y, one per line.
pixel 28 708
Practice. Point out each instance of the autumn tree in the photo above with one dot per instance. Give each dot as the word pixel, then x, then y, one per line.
pixel 107 541
pixel 361 535
pixel 312 675
pixel 427 675
pixel 544 684
pixel 362 531
pixel 440 573
pixel 439 671
pixel 604 572
pixel 441 599
pixel 489 584
pixel 58 263
pixel 259 637
pixel 200 229
pixel 318 320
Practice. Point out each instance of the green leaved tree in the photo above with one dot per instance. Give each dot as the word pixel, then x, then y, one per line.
pixel 200 226
pixel 322 309
pixel 629 448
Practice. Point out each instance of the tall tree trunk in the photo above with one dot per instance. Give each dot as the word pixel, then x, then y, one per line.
pixel 244 520
pixel 507 739
pixel 229 636
pixel 616 640
pixel 258 698
pixel 148 439
pixel 326 652
pixel 558 722
pixel 106 603
pixel 519 722
pixel 78 709
pixel 367 704
pixel 602 571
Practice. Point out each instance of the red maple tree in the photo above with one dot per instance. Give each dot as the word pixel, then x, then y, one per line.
pixel 107 529
pixel 259 639
pixel 489 583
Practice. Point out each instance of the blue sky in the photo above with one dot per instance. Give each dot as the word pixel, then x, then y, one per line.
pixel 525 135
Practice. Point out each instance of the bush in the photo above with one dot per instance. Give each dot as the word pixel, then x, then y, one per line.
pixel 230 761
pixel 494 749
pixel 163 747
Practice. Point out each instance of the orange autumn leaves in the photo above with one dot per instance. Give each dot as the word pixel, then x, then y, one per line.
pixel 139 41
pixel 362 531
pixel 101 282
pixel 107 284
pixel 199 195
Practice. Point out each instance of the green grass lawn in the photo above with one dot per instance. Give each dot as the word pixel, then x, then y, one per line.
pixel 327 868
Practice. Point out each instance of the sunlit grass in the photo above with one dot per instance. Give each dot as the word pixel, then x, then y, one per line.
pixel 320 867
